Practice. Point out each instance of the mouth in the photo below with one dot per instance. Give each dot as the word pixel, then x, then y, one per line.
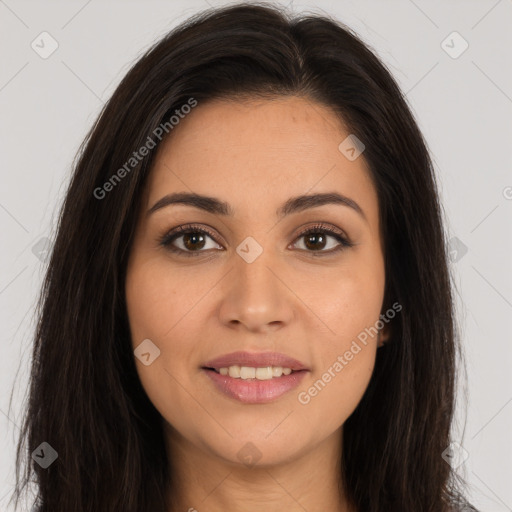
pixel 227 364
pixel 254 385
pixel 252 372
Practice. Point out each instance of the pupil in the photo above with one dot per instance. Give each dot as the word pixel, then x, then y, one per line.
pixel 313 237
pixel 191 239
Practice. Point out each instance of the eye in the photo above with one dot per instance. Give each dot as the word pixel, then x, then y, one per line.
pixel 193 240
pixel 315 238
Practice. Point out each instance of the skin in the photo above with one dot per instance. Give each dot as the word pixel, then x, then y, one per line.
pixel 255 155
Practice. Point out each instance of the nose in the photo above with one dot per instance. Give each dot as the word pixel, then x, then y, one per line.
pixel 256 296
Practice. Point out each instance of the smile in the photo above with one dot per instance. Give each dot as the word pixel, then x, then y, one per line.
pixel 253 385
pixel 250 372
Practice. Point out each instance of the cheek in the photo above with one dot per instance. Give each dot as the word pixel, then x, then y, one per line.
pixel 158 299
pixel 336 389
pixel 346 357
pixel 348 302
pixel 164 305
pixel 157 310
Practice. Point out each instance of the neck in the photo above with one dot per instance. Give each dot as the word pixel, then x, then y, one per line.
pixel 202 480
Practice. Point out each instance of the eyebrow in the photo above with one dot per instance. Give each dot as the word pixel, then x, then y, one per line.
pixel 292 205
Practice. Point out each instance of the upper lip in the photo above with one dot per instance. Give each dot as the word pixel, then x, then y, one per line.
pixel 255 359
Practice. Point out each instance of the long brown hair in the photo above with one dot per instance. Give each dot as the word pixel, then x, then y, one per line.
pixel 85 398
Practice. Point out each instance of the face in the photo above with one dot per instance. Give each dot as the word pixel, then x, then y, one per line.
pixel 250 280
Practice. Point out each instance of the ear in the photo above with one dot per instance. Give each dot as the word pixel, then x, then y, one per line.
pixel 384 335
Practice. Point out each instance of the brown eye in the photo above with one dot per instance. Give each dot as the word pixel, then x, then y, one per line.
pixel 190 240
pixel 193 241
pixel 316 239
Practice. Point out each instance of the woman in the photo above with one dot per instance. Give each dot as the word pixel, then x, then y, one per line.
pixel 248 302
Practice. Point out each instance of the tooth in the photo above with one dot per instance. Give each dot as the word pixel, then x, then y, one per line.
pixel 277 371
pixel 234 371
pixel 264 373
pixel 247 373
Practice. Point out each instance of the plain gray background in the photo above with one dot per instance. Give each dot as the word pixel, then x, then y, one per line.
pixel 462 103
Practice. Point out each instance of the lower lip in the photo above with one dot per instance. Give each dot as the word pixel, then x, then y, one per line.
pixel 254 391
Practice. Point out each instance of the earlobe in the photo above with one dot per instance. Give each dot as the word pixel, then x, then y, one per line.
pixel 383 336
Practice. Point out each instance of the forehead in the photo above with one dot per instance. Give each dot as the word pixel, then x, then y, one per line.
pixel 256 154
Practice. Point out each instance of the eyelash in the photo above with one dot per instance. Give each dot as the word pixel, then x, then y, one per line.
pixel 167 239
